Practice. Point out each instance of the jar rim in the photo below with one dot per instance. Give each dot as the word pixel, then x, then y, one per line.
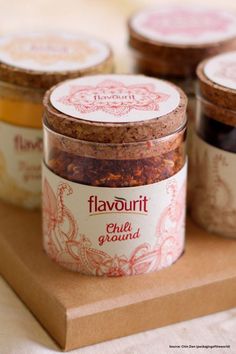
pixel 220 96
pixel 122 144
pixel 120 151
pixel 222 114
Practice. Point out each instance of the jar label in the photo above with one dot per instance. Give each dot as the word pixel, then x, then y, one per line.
pixel 114 231
pixel 20 164
pixel 222 70
pixel 213 189
pixel 187 25
pixel 115 98
pixel 50 52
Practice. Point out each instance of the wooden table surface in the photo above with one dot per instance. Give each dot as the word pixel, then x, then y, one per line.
pixel 20 333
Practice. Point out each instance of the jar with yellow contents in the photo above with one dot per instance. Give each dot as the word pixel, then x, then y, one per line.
pixel 30 63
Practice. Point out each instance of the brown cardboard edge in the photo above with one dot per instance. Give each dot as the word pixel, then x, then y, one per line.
pixel 55 325
pixel 75 327
pixel 184 305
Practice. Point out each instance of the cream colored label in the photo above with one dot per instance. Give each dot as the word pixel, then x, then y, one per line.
pixel 214 188
pixel 115 98
pixel 20 170
pixel 114 231
pixel 52 51
pixel 222 69
pixel 187 25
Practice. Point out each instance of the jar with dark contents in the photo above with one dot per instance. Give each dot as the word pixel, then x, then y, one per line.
pixel 30 63
pixel 213 199
pixel 114 174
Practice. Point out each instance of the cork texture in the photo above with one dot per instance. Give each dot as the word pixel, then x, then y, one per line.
pixel 173 59
pixel 220 101
pixel 101 132
pixel 45 80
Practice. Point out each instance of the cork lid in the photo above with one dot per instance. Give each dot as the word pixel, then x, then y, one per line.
pixel 115 108
pixel 42 59
pixel 217 85
pixel 179 37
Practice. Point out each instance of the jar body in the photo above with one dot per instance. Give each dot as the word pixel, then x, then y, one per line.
pixel 114 209
pixel 21 145
pixel 213 199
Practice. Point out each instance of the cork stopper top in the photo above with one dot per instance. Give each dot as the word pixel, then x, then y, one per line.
pixel 179 37
pixel 42 59
pixel 217 85
pixel 115 108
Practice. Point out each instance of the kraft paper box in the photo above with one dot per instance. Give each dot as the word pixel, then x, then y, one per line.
pixel 81 310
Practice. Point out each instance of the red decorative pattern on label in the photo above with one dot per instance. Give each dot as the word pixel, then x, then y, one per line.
pixel 186 22
pixel 114 97
pixel 65 244
pixel 52 51
pixel 213 199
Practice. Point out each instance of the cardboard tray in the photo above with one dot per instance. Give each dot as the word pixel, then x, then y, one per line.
pixel 80 310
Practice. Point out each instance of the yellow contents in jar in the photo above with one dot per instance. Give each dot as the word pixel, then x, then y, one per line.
pixel 21 113
pixel 21 106
pixel 31 63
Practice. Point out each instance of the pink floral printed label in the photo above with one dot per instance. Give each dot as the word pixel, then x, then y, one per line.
pixel 114 231
pixel 222 70
pixel 51 51
pixel 185 24
pixel 115 98
pixel 213 198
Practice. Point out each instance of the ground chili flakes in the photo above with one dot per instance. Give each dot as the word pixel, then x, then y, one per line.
pixel 116 173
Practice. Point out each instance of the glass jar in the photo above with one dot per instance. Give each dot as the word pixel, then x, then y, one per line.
pixel 114 174
pixel 30 63
pixel 170 41
pixel 213 200
pixel 21 144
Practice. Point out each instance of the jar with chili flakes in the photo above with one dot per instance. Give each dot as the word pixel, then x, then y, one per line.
pixel 213 199
pixel 30 63
pixel 114 175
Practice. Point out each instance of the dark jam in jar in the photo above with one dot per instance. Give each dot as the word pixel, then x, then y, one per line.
pixel 220 135
pixel 213 162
